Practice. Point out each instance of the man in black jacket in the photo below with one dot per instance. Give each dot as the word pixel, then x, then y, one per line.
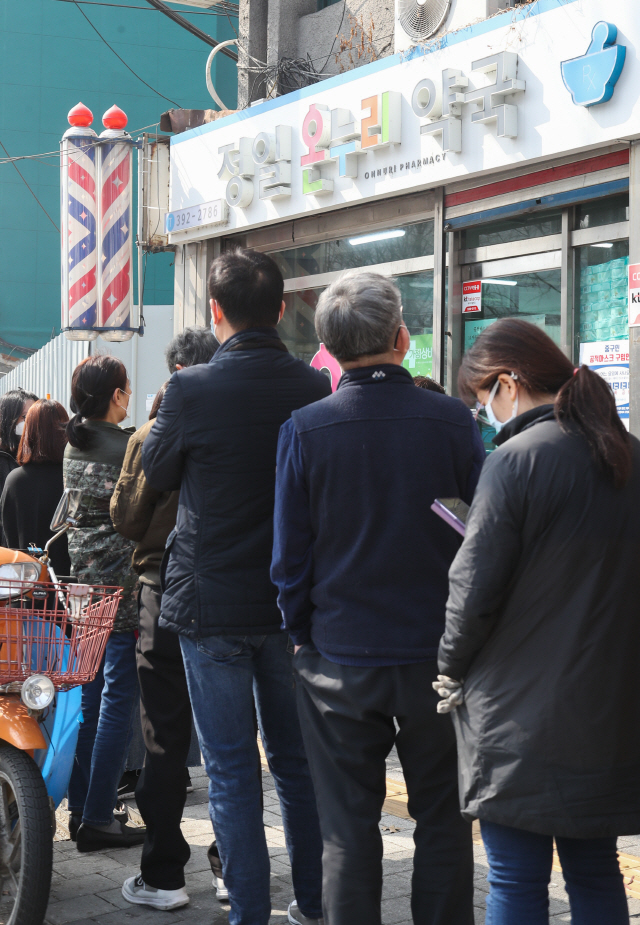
pixel 361 563
pixel 215 439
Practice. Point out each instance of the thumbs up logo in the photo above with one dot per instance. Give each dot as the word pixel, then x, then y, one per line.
pixel 591 78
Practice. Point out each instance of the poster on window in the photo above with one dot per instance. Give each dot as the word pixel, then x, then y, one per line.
pixel 472 297
pixel 634 294
pixel 610 359
pixel 419 358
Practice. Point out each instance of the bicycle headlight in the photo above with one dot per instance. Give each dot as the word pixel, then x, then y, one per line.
pixel 37 692
pixel 17 571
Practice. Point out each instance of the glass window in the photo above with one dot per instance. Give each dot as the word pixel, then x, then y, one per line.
pixel 358 250
pixel 513 229
pixel 298 331
pixel 534 297
pixel 603 211
pixel 601 289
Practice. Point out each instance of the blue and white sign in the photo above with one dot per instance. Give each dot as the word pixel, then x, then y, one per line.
pixel 208 213
pixel 591 78
pixel 610 359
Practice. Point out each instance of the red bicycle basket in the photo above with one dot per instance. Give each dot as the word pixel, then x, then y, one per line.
pixel 59 630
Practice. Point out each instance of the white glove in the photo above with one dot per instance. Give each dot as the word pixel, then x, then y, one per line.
pixel 450 691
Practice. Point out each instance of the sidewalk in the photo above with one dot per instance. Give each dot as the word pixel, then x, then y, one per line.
pixel 86 887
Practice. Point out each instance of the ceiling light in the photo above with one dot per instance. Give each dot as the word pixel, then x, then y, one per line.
pixel 500 282
pixel 608 244
pixel 378 236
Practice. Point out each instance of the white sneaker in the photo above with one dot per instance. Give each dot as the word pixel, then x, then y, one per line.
pixel 136 891
pixel 222 893
pixel 297 918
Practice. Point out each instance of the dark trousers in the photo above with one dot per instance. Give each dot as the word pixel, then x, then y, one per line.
pixel 347 718
pixel 165 711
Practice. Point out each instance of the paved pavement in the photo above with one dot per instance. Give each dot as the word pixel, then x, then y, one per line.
pixel 86 887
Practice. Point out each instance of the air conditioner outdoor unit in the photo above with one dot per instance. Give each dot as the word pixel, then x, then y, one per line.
pixel 418 20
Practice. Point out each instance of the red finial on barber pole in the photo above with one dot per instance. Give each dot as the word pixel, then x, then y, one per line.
pixel 80 115
pixel 114 118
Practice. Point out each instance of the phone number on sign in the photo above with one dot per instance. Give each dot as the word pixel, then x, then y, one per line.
pixel 209 213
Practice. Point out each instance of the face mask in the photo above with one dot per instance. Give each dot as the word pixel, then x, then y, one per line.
pixel 126 410
pixel 213 329
pixel 19 428
pixel 495 423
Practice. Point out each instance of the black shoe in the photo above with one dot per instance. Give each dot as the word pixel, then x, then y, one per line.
pixel 75 821
pixel 127 785
pixel 120 811
pixel 91 839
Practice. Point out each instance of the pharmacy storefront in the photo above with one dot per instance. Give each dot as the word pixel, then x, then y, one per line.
pixel 488 173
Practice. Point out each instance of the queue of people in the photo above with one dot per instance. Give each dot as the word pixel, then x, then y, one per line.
pixel 283 572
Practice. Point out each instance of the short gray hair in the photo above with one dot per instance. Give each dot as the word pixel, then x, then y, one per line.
pixel 358 315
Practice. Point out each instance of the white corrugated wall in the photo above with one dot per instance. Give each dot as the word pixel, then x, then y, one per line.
pixel 48 372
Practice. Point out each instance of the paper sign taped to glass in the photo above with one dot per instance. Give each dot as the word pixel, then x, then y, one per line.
pixel 610 359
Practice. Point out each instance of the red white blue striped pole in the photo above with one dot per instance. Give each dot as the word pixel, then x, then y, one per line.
pixel 117 315
pixel 78 229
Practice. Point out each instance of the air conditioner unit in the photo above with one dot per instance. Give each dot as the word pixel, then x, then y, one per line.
pixel 418 20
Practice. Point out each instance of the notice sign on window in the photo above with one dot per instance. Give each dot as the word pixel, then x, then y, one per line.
pixel 472 297
pixel 610 359
pixel 634 294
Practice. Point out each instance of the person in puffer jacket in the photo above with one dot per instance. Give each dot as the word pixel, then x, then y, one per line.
pixel 539 659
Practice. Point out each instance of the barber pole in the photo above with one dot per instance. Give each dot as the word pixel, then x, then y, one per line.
pixel 78 226
pixel 115 270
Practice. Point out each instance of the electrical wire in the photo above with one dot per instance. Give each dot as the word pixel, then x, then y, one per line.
pixel 222 9
pixel 30 190
pixel 110 47
pixel 181 21
pixel 344 9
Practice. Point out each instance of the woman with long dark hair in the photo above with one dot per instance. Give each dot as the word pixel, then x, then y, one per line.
pixel 100 396
pixel 541 650
pixel 13 410
pixel 33 490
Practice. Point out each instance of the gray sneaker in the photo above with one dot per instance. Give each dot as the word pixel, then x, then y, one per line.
pixel 297 918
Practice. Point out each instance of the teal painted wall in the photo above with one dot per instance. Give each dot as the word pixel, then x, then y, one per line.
pixel 50 58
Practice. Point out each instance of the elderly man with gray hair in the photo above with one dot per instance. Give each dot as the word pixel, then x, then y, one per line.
pixel 361 564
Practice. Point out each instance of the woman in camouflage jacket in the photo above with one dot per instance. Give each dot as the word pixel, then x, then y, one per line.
pixel 93 458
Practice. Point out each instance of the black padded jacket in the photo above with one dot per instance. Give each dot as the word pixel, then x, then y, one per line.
pixel 543 626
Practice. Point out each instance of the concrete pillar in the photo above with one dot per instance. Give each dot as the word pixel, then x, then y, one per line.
pixel 252 31
pixel 282 29
pixel 634 257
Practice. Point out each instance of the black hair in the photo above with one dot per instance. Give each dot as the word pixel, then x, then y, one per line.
pixel 157 401
pixel 93 383
pixel 11 405
pixel 426 382
pixel 248 287
pixel 583 400
pixel 190 347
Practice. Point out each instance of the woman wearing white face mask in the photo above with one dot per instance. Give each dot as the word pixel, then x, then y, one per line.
pixel 100 396
pixel 13 410
pixel 541 649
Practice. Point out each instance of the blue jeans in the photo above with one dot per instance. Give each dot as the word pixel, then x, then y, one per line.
pixel 225 675
pixel 108 707
pixel 520 869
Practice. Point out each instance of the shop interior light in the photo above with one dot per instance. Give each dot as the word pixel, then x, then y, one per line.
pixel 377 236
pixel 500 282
pixel 607 244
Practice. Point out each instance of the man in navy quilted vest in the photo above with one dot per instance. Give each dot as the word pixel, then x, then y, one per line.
pixel 361 564
pixel 215 439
